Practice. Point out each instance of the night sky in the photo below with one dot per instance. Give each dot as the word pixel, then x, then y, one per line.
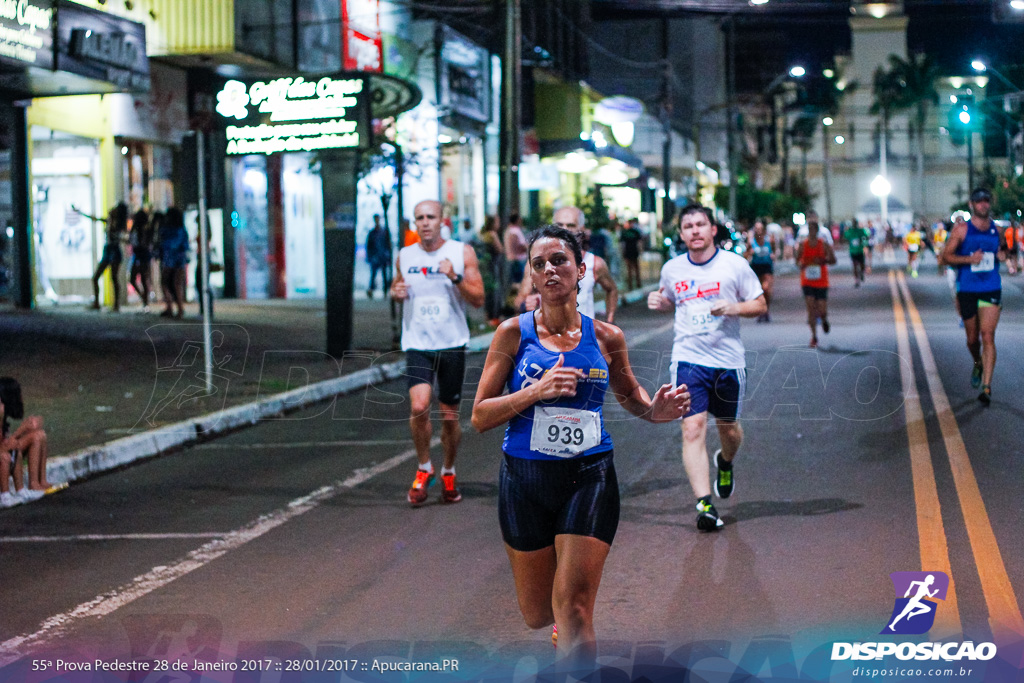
pixel 785 32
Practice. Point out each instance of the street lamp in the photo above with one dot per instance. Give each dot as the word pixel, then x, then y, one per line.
pixel 981 67
pixel 881 187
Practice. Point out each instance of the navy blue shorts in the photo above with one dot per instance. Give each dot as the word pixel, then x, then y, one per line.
pixel 539 499
pixel 448 365
pixel 718 391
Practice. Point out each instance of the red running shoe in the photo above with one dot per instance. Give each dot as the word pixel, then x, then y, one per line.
pixel 418 493
pixel 449 491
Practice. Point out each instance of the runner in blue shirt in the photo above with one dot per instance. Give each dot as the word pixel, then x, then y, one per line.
pixel 558 494
pixel 975 249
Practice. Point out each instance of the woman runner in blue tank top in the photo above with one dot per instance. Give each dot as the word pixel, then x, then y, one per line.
pixel 762 262
pixel 558 494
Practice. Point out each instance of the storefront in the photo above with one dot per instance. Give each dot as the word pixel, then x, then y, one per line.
pixel 464 100
pixel 61 153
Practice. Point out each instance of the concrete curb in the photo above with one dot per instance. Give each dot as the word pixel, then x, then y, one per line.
pixel 113 454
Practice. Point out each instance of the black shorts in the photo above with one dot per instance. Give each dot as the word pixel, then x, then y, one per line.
pixel 111 255
pixel 539 499
pixel 969 301
pixel 820 293
pixel 858 258
pixel 448 365
pixel 761 269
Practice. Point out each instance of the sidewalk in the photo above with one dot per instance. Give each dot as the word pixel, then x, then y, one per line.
pixel 116 387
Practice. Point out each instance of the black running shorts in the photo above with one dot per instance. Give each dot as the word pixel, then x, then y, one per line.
pixel 539 499
pixel 820 293
pixel 969 301
pixel 448 365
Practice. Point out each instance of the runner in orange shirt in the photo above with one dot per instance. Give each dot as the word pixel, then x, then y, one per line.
pixel 814 256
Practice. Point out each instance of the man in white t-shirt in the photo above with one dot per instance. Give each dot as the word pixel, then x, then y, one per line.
pixel 824 233
pixel 572 219
pixel 435 278
pixel 710 290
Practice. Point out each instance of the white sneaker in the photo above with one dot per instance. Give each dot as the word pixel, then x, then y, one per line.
pixel 27 495
pixel 9 500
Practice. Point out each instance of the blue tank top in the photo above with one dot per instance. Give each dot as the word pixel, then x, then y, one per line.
pixel 983 277
pixel 762 252
pixel 560 426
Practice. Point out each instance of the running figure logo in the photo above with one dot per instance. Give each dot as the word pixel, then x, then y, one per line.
pixel 914 612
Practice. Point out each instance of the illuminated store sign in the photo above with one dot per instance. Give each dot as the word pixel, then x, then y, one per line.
pixel 295 114
pixel 101 46
pixel 463 69
pixel 26 32
pixel 361 40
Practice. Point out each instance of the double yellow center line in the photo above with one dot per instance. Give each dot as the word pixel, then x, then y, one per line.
pixel 1005 618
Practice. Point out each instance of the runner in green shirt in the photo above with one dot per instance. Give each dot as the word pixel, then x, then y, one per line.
pixel 859 239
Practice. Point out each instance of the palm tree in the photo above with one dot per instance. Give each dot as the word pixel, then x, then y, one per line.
pixel 803 137
pixel 916 77
pixel 824 98
pixel 887 91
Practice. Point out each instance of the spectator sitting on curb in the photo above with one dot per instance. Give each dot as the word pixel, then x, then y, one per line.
pixel 28 440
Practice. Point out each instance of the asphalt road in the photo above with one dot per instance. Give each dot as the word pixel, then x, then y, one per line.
pixel 290 544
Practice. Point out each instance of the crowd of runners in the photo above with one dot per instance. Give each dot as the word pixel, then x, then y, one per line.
pixel 550 367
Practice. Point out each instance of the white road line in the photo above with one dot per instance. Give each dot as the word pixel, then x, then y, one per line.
pixel 302 444
pixel 110 537
pixel 646 336
pixel 15 648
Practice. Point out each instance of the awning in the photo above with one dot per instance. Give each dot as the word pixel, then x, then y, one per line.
pixel 551 148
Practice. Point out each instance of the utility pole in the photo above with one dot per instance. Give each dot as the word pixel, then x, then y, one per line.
pixel 667 211
pixel 511 112
pixel 730 133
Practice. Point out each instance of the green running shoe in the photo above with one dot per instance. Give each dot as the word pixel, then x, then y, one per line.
pixel 724 476
pixel 707 519
pixel 976 375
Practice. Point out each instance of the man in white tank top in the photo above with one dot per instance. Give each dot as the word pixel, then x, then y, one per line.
pixel 435 279
pixel 572 219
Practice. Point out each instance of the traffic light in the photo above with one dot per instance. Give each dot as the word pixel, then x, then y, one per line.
pixel 962 118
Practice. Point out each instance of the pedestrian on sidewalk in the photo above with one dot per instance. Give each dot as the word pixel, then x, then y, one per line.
pixel 117 228
pixel 515 248
pixel 379 255
pixel 709 289
pixel 173 252
pixel 141 241
pixel 629 240
pixel 558 494
pixel 436 279
pixel 572 219
pixel 27 441
pixel 491 255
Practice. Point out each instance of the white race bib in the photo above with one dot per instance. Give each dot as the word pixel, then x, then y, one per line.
pixel 912 248
pixel 988 262
pixel 698 317
pixel 430 310
pixel 564 432
pixel 812 272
